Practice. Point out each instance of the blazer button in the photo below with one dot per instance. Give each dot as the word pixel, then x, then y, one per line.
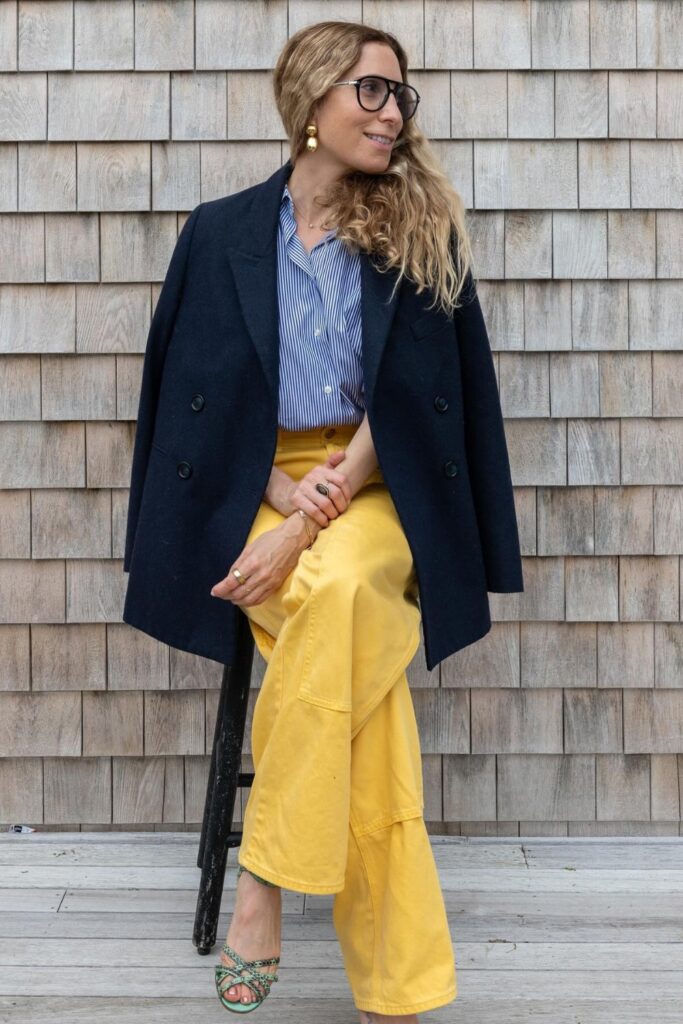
pixel 450 468
pixel 184 470
pixel 440 403
pixel 197 402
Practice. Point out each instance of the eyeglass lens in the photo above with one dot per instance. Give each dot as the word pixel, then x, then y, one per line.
pixel 374 91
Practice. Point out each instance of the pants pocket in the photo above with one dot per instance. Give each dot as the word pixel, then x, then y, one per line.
pixel 326 677
pixel 321 701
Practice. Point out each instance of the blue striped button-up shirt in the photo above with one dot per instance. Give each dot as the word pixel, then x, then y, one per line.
pixel 321 370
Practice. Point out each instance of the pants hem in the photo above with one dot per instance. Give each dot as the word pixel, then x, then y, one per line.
pixel 399 1009
pixel 294 884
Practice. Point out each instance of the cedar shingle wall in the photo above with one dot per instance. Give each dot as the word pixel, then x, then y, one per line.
pixel 560 123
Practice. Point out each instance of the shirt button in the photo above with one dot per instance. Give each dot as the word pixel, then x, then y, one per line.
pixel 317 331
pixel 327 389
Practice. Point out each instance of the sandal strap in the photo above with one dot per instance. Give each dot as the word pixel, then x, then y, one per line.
pixel 244 972
pixel 264 881
pixel 234 955
pixel 244 976
pixel 238 980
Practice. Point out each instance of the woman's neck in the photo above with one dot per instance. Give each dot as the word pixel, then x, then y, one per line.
pixel 312 176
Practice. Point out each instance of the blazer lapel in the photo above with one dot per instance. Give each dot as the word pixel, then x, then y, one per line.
pixel 252 252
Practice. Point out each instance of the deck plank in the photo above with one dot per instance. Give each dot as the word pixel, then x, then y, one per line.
pixel 337 1011
pixel 548 930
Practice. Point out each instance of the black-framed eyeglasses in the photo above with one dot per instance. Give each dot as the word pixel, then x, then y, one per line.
pixel 373 92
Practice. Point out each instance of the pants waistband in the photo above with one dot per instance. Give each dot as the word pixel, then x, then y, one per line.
pixel 338 433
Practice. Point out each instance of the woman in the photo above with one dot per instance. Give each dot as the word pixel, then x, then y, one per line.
pixel 366 525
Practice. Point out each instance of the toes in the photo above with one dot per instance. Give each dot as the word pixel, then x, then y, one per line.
pixel 236 994
pixel 240 993
pixel 232 992
pixel 245 994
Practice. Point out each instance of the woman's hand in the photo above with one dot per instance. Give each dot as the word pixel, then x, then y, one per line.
pixel 267 561
pixel 302 493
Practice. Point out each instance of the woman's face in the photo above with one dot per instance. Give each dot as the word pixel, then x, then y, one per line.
pixel 344 126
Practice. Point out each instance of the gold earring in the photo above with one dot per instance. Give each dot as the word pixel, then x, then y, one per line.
pixel 311 141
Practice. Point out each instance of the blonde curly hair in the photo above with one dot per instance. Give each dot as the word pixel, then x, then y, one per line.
pixel 410 215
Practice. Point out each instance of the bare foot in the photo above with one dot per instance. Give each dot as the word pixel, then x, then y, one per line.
pixel 370 1017
pixel 254 931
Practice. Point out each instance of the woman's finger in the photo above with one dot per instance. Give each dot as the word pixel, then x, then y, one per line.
pixel 337 495
pixel 342 489
pixel 342 483
pixel 334 476
pixel 311 507
pixel 323 501
pixel 229 584
pixel 243 590
pixel 255 596
pixel 249 600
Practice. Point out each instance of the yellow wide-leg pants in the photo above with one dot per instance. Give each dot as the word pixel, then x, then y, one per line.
pixel 336 805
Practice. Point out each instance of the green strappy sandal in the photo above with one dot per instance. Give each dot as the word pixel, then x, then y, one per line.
pixel 241 868
pixel 243 972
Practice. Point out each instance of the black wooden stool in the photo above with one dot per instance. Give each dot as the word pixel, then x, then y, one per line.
pixel 217 835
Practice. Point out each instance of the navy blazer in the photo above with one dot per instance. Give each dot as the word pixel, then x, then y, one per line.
pixel 207 429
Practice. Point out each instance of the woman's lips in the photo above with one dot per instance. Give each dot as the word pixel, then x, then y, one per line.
pixel 384 145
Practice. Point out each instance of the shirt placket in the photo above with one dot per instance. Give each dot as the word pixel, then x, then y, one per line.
pixel 321 341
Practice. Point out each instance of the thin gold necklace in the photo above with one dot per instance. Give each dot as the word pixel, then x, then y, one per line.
pixel 304 216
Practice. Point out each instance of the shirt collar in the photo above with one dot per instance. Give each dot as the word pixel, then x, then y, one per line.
pixel 287 218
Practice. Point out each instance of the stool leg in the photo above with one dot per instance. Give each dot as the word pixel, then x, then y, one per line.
pixel 212 769
pixel 229 736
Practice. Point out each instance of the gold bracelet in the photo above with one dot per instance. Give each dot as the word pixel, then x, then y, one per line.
pixel 304 516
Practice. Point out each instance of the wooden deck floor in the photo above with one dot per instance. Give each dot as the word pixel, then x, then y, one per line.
pixel 97 927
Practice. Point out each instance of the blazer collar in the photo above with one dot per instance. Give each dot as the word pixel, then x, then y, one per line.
pixel 252 251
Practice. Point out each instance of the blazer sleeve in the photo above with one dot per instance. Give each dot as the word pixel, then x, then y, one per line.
pixel 486 449
pixel 158 339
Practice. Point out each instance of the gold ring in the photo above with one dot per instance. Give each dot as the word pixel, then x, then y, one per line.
pixel 238 575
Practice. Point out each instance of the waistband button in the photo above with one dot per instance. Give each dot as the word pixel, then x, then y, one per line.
pixel 330 432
